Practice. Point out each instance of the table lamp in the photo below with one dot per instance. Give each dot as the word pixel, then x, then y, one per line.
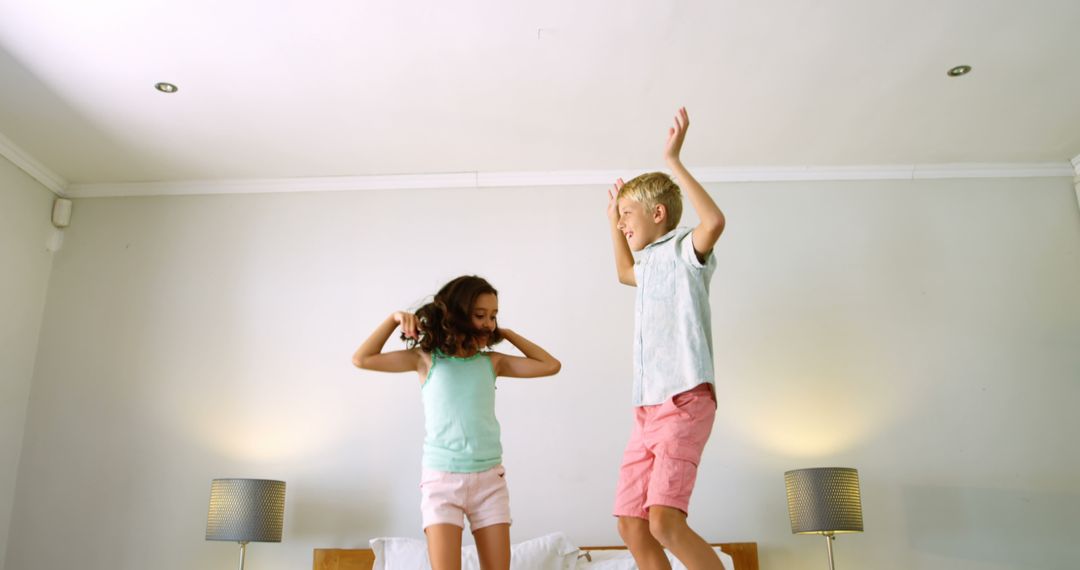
pixel 246 510
pixel 825 501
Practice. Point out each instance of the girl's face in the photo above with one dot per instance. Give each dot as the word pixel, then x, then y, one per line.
pixel 484 312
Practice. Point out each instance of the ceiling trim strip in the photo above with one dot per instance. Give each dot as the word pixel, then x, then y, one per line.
pixel 568 178
pixel 49 179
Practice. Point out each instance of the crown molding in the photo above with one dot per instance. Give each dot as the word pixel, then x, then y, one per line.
pixel 805 173
pixel 993 170
pixel 558 178
pixel 565 178
pixel 49 179
pixel 275 185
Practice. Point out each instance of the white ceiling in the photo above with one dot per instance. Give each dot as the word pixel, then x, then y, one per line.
pixel 323 88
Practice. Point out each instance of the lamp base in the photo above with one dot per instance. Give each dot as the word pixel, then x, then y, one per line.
pixel 829 537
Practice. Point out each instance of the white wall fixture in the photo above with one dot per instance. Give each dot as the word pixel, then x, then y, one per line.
pixel 61 218
pixel 1076 178
pixel 55 241
pixel 61 212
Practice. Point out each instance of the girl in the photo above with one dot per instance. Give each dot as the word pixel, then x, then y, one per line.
pixel 463 474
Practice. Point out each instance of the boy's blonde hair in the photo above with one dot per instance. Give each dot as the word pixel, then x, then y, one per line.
pixel 654 188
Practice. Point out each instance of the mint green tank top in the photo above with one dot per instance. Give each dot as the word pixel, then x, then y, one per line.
pixel 459 414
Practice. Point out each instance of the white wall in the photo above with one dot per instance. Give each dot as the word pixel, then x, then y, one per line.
pixel 25 208
pixel 924 332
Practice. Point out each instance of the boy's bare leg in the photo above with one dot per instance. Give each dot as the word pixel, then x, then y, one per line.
pixel 444 546
pixel 647 552
pixel 668 526
pixel 493 547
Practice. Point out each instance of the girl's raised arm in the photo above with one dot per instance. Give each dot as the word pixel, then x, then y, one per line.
pixel 371 357
pixel 536 362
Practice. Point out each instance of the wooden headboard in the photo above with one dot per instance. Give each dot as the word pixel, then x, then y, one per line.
pixel 743 553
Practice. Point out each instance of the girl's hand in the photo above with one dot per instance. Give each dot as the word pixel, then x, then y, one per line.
pixel 410 325
pixel 676 135
pixel 613 201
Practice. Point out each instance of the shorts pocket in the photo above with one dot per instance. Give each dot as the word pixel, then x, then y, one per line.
pixel 695 403
pixel 429 476
pixel 684 403
pixel 680 470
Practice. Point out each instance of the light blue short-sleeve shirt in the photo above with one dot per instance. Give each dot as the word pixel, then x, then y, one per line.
pixel 672 325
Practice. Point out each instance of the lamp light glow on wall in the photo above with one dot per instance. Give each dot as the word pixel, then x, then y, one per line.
pixel 246 510
pixel 825 501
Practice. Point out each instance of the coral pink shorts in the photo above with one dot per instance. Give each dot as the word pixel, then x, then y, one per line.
pixel 447 498
pixel 660 463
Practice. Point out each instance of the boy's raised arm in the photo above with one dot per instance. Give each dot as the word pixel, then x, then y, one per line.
pixel 624 259
pixel 712 219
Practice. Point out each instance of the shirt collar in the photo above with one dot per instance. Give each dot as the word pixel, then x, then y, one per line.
pixel 662 238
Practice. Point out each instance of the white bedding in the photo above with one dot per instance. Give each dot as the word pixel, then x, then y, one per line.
pixel 622 560
pixel 550 552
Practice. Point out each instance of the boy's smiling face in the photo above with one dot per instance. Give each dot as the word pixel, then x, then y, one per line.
pixel 639 224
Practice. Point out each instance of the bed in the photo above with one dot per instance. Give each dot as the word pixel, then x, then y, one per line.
pixel 744 554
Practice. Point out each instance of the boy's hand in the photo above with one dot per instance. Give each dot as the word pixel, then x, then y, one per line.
pixel 410 325
pixel 710 219
pixel 613 201
pixel 676 135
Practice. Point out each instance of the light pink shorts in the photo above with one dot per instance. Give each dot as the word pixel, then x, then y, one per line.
pixel 660 463
pixel 447 498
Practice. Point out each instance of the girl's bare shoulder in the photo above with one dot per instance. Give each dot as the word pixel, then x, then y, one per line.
pixel 423 365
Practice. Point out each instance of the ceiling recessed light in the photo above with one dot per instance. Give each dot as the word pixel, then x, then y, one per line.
pixel 166 87
pixel 959 70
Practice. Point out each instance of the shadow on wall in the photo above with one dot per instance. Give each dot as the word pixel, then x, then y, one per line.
pixel 1008 527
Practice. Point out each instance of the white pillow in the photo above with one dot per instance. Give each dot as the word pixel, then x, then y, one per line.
pixel 623 560
pixel 608 560
pixel 549 552
pixel 725 559
pixel 397 553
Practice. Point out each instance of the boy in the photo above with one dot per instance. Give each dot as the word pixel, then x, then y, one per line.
pixel 674 400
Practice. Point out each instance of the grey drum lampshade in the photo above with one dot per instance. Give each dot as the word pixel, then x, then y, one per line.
pixel 824 500
pixel 246 510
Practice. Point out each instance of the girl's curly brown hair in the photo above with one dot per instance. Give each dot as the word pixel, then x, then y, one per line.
pixel 446 322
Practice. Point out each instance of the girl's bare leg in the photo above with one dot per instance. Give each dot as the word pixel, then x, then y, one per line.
pixel 493 547
pixel 444 546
